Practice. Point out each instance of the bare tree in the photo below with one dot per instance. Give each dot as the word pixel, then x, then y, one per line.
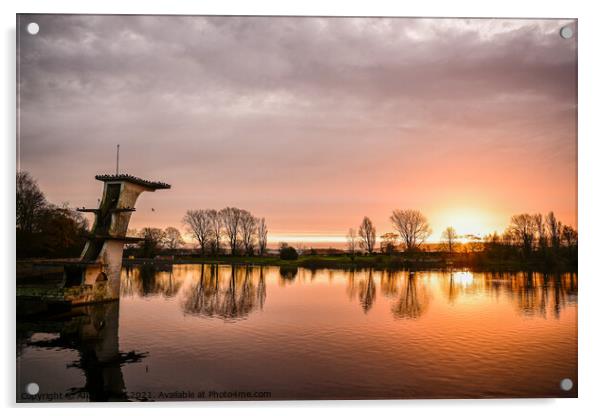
pixel 540 227
pixel 231 217
pixel 554 228
pixel 413 227
pixel 388 242
pixel 198 225
pixel 449 237
pixel 352 242
pixel 492 241
pixel 248 231
pixel 173 238
pixel 367 233
pixel 30 202
pixel 508 239
pixel 215 230
pixel 569 236
pixel 262 236
pixel 523 227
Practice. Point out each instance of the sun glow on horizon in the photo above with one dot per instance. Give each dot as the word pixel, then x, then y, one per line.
pixel 466 221
pixel 471 223
pixel 306 238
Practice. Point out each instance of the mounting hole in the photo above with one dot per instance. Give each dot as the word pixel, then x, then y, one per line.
pixel 33 28
pixel 32 388
pixel 566 32
pixel 566 384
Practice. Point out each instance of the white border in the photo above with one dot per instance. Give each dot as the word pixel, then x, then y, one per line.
pixel 590 207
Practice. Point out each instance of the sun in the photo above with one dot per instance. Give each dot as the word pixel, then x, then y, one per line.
pixel 467 221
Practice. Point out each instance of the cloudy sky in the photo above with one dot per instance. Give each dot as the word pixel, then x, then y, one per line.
pixel 311 123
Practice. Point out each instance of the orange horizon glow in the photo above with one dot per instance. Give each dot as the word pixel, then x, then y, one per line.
pixel 444 116
pixel 467 222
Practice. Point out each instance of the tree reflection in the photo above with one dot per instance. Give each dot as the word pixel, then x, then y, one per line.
pixel 228 297
pixel 288 274
pixel 535 293
pixel 564 291
pixel 453 291
pixel 367 292
pixel 148 280
pixel 413 299
pixel 261 289
pixel 389 283
pixel 409 294
pixel 525 292
pixel 351 288
pixel 362 287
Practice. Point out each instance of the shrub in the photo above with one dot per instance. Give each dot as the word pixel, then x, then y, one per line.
pixel 288 253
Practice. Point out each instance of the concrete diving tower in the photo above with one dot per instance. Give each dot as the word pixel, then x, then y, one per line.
pixel 95 275
pixel 98 270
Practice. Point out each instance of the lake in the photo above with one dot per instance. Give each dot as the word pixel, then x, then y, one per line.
pixel 206 332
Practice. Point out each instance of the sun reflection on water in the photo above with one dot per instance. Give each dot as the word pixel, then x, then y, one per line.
pixel 463 278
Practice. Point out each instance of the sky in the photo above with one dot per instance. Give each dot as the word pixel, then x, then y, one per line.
pixel 312 123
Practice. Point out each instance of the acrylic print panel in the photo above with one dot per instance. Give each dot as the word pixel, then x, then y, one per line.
pixel 268 208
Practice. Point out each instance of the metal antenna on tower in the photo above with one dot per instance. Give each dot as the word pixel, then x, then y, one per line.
pixel 117 171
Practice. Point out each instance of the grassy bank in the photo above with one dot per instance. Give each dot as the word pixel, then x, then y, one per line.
pixel 376 261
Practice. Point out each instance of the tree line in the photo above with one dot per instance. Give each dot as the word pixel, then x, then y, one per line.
pixel 536 235
pixel 412 230
pixel 530 234
pixel 44 229
pixel 154 240
pixel 232 228
pixel 215 232
pixel 47 230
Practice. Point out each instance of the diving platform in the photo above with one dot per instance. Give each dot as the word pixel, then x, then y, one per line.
pixel 95 275
pixel 97 210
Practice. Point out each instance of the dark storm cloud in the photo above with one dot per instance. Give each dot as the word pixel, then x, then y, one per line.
pixel 235 107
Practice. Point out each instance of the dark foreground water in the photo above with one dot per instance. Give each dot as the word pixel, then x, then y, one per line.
pixel 207 332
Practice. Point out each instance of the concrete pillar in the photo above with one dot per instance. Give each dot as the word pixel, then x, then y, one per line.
pixel 108 235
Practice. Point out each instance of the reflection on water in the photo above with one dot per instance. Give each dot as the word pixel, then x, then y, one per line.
pixel 532 293
pixel 92 331
pixel 149 281
pixel 362 286
pixel 227 294
pixel 367 292
pixel 287 274
pixel 301 333
pixel 412 301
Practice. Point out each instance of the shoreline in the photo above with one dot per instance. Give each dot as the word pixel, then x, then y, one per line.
pixel 377 262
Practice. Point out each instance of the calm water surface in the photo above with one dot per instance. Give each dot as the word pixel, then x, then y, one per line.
pixel 302 334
